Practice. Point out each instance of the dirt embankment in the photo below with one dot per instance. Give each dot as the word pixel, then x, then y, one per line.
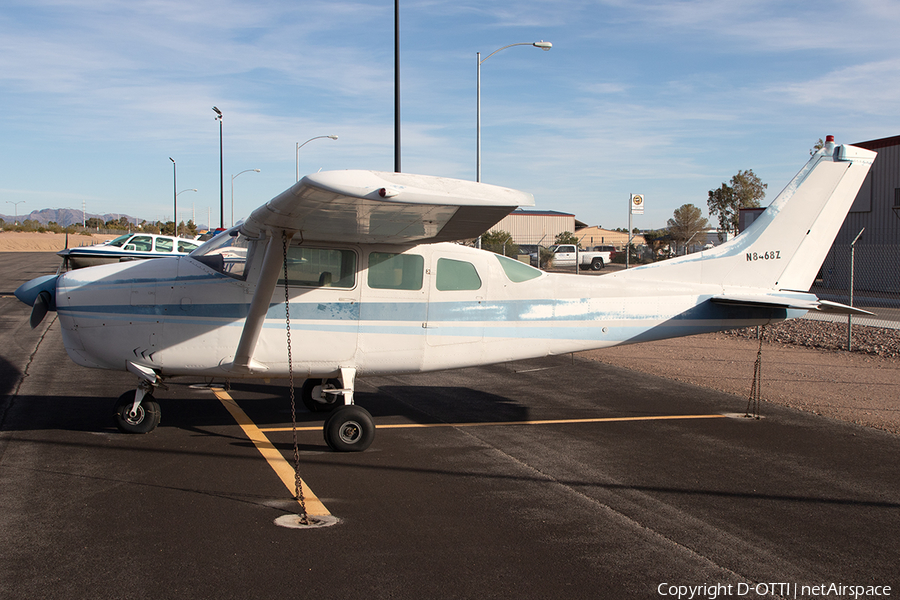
pixel 32 241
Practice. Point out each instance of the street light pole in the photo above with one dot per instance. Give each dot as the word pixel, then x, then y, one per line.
pixel 232 191
pixel 176 199
pixel 174 196
pixel 545 46
pixel 299 145
pixel 221 172
pixel 16 208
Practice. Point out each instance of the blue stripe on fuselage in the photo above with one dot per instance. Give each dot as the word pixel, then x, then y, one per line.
pixel 536 311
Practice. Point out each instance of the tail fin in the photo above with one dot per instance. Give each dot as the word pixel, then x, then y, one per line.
pixel 785 246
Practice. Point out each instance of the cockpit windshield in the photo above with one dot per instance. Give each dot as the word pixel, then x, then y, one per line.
pixel 227 253
pixel 119 241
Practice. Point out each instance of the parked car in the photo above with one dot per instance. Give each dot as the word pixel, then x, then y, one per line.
pixel 564 255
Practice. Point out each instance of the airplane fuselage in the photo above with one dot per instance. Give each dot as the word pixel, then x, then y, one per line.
pixel 434 306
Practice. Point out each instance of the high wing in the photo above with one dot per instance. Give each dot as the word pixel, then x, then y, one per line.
pixel 378 207
pixel 365 207
pixel 801 301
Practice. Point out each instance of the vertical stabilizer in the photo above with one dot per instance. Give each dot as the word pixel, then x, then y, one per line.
pixel 785 246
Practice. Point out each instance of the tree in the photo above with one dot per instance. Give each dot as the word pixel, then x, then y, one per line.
pixel 819 145
pixel 499 242
pixel 745 191
pixel 686 222
pixel 567 237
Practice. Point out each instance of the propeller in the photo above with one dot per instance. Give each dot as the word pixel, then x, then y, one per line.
pixel 40 294
pixel 41 306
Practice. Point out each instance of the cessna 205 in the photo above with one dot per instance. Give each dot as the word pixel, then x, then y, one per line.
pixel 373 287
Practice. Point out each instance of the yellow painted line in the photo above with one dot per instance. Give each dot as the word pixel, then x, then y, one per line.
pixel 545 422
pixel 282 468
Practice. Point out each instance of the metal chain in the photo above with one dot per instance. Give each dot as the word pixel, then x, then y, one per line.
pixel 756 388
pixel 298 483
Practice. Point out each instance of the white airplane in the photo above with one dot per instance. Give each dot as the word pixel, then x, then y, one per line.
pixel 131 246
pixel 374 288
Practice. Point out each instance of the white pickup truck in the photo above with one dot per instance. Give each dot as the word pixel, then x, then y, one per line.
pixel 596 259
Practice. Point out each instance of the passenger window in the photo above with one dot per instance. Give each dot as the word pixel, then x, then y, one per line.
pixel 389 271
pixel 517 271
pixel 143 243
pixel 456 275
pixel 186 246
pixel 321 267
pixel 163 245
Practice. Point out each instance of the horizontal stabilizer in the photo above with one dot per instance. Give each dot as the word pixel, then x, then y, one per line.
pixel 805 302
pixel 392 208
pixel 797 302
pixel 838 308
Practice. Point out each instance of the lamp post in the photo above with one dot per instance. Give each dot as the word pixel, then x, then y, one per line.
pixel 299 145
pixel 543 46
pixel 232 191
pixel 174 196
pixel 221 172
pixel 16 208
pixel 176 214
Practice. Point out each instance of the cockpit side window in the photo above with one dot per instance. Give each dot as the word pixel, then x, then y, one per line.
pixel 321 267
pixel 228 253
pixel 456 275
pixel 141 243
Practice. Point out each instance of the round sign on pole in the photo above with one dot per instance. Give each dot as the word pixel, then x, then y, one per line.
pixel 637 204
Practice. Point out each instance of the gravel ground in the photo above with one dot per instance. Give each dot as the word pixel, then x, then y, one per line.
pixel 804 365
pixel 825 335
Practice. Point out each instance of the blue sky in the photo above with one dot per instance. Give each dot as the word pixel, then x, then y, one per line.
pixel 665 98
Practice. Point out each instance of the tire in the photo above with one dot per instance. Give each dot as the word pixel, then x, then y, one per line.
pixel 146 419
pixel 597 264
pixel 350 428
pixel 327 402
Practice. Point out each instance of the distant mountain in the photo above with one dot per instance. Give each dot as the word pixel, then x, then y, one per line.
pixel 65 216
pixel 70 216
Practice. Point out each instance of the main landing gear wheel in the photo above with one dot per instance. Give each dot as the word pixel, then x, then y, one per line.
pixel 142 420
pixel 596 264
pixel 350 428
pixel 316 398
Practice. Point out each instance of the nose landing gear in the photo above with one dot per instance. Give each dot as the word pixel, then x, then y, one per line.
pixel 137 411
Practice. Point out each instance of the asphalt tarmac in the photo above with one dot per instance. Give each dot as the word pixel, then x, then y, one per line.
pixel 553 478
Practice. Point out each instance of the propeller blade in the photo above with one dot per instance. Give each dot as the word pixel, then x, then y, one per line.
pixel 41 306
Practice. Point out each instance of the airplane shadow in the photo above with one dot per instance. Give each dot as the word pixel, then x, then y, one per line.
pixel 267 405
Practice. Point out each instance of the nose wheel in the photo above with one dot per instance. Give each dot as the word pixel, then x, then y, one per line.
pixel 137 412
pixel 349 428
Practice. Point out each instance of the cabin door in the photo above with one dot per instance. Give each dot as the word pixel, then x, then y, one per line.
pixel 457 293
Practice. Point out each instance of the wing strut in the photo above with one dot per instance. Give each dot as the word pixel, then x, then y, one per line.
pixel 259 306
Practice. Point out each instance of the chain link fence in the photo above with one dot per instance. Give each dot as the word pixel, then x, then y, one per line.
pixel 866 276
